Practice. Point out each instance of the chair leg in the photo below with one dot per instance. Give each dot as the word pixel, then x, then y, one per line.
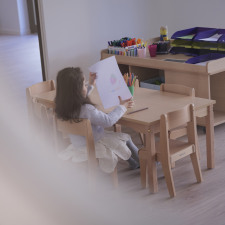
pixel 199 153
pixel 143 167
pixel 173 165
pixel 115 178
pixel 196 166
pixel 166 166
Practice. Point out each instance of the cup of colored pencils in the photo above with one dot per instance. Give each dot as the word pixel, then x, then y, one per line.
pixel 130 81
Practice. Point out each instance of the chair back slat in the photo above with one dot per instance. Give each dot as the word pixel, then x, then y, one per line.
pixel 81 127
pixel 76 127
pixel 178 89
pixel 41 87
pixel 179 117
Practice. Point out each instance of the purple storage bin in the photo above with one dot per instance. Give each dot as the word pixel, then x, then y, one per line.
pixel 205 34
pixel 204 58
pixel 191 31
pixel 222 38
pixel 185 51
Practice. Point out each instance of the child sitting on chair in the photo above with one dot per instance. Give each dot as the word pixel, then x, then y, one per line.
pixel 72 102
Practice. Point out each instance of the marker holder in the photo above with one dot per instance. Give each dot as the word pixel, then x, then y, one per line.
pixel 131 88
pixel 141 52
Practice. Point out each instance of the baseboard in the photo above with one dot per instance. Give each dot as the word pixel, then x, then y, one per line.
pixel 9 32
pixel 25 32
pixel 14 32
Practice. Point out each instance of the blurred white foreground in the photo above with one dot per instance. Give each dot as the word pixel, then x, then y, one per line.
pixel 37 188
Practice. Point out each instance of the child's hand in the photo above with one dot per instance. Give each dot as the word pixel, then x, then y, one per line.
pixel 129 103
pixel 92 78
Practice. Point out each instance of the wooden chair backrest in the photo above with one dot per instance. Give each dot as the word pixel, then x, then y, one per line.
pixel 83 128
pixel 80 127
pixel 33 90
pixel 38 88
pixel 179 117
pixel 178 89
pixel 41 87
pixel 183 117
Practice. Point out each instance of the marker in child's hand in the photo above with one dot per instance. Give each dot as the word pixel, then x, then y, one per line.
pixel 138 110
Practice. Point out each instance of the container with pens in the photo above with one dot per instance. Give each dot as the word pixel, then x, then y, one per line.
pixel 141 50
pixel 125 46
pixel 130 81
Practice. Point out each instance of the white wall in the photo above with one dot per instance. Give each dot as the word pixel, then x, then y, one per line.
pixel 23 17
pixel 9 23
pixel 75 31
pixel 182 14
pixel 14 17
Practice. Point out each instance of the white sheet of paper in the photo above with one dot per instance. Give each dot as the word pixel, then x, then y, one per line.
pixel 110 82
pixel 213 38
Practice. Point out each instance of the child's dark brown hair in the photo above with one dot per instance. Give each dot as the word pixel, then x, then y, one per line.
pixel 69 98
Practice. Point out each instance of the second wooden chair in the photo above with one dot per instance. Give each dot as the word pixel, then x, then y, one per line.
pixel 31 92
pixel 182 90
pixel 169 150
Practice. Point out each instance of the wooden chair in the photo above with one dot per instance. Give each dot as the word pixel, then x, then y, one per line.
pixel 182 90
pixel 83 128
pixel 170 150
pixel 177 89
pixel 33 90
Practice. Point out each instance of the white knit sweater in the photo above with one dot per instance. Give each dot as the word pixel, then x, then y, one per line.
pixel 99 120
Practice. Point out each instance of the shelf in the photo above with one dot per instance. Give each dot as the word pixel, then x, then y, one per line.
pixel 158 62
pixel 219 117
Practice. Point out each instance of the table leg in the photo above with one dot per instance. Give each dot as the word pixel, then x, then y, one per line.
pixel 210 137
pixel 117 128
pixel 152 170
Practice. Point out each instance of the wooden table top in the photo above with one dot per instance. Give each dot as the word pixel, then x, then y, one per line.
pixel 158 103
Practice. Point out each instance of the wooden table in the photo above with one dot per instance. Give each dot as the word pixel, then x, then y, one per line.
pixel 147 121
pixel 207 80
